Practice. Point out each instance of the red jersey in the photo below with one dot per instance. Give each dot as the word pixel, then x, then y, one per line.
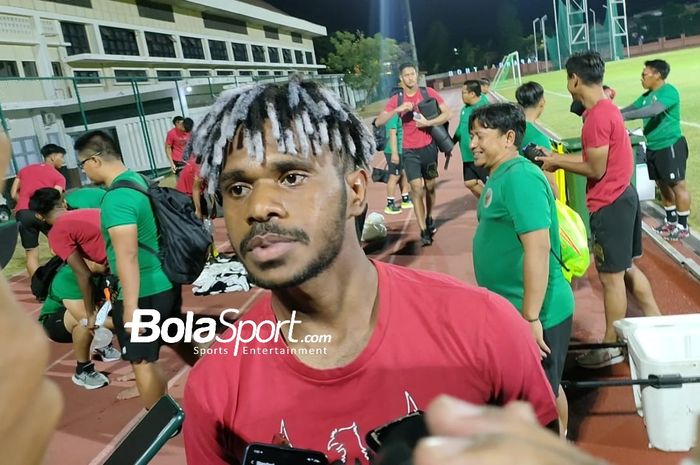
pixel 177 140
pixel 35 177
pixel 413 137
pixel 603 125
pixel 79 230
pixel 185 182
pixel 433 335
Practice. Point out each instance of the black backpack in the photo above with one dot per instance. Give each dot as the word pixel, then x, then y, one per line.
pixel 379 136
pixel 43 276
pixel 183 240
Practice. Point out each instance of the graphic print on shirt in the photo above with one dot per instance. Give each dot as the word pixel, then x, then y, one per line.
pixel 346 443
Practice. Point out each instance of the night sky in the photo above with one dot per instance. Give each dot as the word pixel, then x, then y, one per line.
pixel 463 18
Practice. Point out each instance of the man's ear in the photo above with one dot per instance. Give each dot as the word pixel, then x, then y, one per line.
pixel 357 182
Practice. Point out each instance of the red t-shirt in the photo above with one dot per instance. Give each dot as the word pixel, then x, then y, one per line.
pixel 34 177
pixel 177 140
pixel 433 335
pixel 603 125
pixel 185 182
pixel 79 230
pixel 413 137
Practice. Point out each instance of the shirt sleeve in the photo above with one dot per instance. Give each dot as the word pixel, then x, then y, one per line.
pixel 392 103
pixel 60 180
pixel 170 138
pixel 515 369
pixel 527 203
pixel 597 130
pixel 120 208
pixel 668 96
pixel 203 433
pixel 434 94
pixel 61 241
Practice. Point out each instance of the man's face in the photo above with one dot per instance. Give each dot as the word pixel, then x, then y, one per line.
pixel 572 85
pixel 489 146
pixel 57 159
pixel 468 96
pixel 180 125
pixel 649 78
pixel 286 217
pixel 90 162
pixel 51 217
pixel 409 77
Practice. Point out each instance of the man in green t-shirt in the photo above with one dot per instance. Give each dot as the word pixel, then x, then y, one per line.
pixel 516 248
pixel 530 96
pixel 474 176
pixel 667 149
pixel 129 229
pixel 394 163
pixel 84 197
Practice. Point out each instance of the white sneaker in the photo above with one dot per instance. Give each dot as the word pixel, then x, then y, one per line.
pixel 600 358
pixel 90 379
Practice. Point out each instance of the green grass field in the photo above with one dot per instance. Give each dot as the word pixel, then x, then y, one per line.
pixel 624 77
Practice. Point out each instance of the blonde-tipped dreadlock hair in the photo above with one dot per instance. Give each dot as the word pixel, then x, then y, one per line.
pixel 304 117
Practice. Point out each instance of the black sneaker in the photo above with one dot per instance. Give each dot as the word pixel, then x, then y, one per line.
pixel 426 238
pixel 430 225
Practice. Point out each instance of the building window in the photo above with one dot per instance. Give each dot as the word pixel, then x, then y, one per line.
pixel 299 55
pixel 224 73
pixel 160 45
pixel 309 58
pixel 127 75
pixel 271 32
pixel 245 73
pixel 263 73
pixel 29 68
pixel 296 37
pixel 168 75
pixel 57 68
pixel 83 3
pixel 153 10
pixel 279 73
pixel 240 52
pixel 274 54
pixel 222 23
pixel 8 69
pixel 77 36
pixel 192 48
pixel 87 77
pixel 218 50
pixel 258 53
pixel 287 55
pixel 199 73
pixel 118 41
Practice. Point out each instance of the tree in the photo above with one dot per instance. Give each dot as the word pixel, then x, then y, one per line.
pixel 510 30
pixel 363 60
pixel 436 53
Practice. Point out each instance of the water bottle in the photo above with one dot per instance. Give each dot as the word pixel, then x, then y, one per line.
pixel 101 339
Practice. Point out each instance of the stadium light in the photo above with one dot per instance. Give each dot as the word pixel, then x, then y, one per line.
pixel 534 34
pixel 544 41
pixel 556 31
pixel 595 33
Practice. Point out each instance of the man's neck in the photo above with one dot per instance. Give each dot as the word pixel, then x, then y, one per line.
pixel 341 301
pixel 657 86
pixel 592 95
pixel 411 91
pixel 506 157
pixel 113 172
pixel 531 114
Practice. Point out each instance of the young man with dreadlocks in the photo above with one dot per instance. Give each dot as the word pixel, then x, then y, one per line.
pixel 293 167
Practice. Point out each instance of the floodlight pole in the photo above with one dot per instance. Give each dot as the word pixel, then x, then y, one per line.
pixel 595 34
pixel 556 31
pixel 411 37
pixel 534 34
pixel 544 41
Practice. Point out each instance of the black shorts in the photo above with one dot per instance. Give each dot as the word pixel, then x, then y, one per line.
pixel 55 327
pixel 167 303
pixel 557 339
pixel 616 231
pixel 392 168
pixel 471 171
pixel 668 165
pixel 29 228
pixel 421 163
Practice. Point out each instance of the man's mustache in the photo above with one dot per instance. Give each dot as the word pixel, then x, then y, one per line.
pixel 260 229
